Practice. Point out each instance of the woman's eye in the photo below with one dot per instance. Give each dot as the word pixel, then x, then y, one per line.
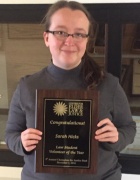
pixel 78 34
pixel 61 32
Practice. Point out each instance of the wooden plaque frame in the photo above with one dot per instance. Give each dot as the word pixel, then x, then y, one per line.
pixel 67 96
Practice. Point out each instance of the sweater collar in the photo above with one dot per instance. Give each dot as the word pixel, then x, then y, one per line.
pixel 59 72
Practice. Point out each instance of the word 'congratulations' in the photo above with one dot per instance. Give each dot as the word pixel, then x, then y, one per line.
pixel 74 123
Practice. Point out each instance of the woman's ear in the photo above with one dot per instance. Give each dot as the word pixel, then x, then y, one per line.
pixel 45 36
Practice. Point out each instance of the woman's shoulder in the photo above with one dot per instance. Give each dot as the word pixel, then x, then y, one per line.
pixel 109 82
pixel 33 78
pixel 110 78
pixel 33 81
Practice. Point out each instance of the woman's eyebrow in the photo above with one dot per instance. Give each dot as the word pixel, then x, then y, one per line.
pixel 60 26
pixel 64 27
pixel 80 29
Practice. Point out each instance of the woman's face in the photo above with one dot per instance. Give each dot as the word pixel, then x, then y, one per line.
pixel 67 53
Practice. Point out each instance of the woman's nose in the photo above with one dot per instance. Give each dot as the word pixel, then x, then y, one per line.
pixel 69 41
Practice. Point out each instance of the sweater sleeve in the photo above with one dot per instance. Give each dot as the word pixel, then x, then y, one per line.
pixel 122 119
pixel 16 124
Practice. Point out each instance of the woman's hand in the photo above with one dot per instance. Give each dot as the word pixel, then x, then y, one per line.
pixel 30 138
pixel 107 132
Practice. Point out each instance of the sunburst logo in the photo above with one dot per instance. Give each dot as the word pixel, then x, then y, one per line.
pixel 60 108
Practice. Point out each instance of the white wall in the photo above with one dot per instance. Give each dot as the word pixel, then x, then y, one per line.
pixel 52 1
pixel 14 174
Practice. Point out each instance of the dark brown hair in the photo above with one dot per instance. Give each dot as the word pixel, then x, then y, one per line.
pixel 91 71
pixel 65 4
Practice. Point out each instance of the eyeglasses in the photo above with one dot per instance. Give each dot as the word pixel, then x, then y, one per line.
pixel 61 35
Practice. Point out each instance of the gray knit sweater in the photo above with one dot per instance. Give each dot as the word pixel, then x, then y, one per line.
pixel 113 104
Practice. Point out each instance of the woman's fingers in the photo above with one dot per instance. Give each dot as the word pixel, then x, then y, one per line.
pixel 107 132
pixel 30 138
pixel 32 131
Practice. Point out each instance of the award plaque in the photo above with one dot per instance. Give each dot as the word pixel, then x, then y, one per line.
pixel 68 120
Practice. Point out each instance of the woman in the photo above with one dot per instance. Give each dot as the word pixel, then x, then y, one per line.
pixel 68 28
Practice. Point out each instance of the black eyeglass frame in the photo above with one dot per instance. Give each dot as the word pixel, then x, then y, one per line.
pixel 65 34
